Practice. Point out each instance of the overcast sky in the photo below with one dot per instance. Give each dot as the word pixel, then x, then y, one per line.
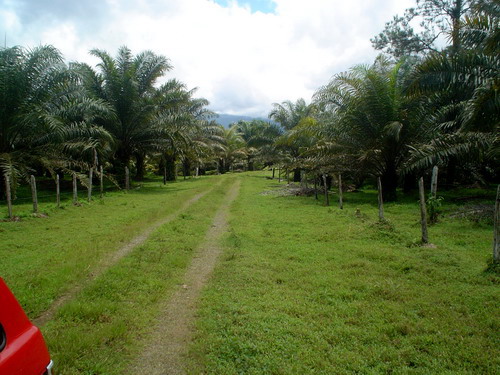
pixel 242 55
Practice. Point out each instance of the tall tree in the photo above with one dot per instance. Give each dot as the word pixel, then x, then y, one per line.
pixel 127 83
pixel 368 121
pixel 257 134
pixel 463 91
pixel 46 118
pixel 435 18
pixel 289 115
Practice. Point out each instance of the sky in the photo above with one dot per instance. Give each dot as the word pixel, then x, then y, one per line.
pixel 242 55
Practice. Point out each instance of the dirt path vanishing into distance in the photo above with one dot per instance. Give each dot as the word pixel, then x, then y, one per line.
pixel 169 342
pixel 113 258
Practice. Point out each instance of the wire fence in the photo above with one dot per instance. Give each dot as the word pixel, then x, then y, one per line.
pixel 80 191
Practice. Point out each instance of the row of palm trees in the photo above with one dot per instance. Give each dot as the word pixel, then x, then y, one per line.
pixel 396 119
pixel 61 118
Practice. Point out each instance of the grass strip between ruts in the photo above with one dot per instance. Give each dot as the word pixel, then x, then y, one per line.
pixel 103 329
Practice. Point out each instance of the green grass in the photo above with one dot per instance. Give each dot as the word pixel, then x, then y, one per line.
pixel 44 257
pixel 104 328
pixel 300 289
pixel 306 289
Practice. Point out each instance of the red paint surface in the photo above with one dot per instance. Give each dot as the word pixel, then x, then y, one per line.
pixel 26 352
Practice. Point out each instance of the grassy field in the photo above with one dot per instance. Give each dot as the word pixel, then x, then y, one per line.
pixel 306 289
pixel 43 257
pixel 300 289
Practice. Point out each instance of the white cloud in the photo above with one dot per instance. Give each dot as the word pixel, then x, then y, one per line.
pixel 241 61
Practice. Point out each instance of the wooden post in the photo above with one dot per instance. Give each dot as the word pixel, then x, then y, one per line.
pixel 287 176
pixel 101 181
pixel 279 174
pixel 7 193
pixel 496 229
pixel 341 200
pixel 327 200
pixel 316 187
pixel 58 191
pixel 165 175
pixel 273 174
pixel 197 171
pixel 423 210
pixel 89 191
pixel 75 189
pixel 127 179
pixel 380 200
pixel 434 181
pixel 34 194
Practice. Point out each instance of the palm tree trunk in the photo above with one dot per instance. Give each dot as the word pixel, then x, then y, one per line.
pixel 186 165
pixel 170 167
pixel 2 186
pixel 389 183
pixel 140 163
pixel 409 182
pixel 220 166
pixel 296 175
pixel 250 163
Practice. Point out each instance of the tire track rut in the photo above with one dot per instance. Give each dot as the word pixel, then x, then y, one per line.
pixel 168 344
pixel 113 258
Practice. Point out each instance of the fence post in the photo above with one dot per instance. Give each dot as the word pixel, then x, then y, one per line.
pixel 316 187
pixel 75 189
pixel 380 200
pixel 327 200
pixel 34 194
pixel 101 181
pixel 279 174
pixel 58 191
pixel 423 210
pixel 89 191
pixel 9 197
pixel 127 181
pixel 496 229
pixel 434 181
pixel 341 199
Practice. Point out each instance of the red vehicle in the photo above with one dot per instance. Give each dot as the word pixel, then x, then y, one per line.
pixel 22 348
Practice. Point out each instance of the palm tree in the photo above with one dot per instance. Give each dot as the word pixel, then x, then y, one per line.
pixel 234 149
pixel 257 134
pixel 289 115
pixel 369 122
pixel 46 119
pixel 183 129
pixel 463 94
pixel 127 84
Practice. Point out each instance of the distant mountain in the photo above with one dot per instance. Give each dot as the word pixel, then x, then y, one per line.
pixel 226 120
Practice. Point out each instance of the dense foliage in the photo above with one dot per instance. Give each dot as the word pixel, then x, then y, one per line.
pixel 61 119
pixel 416 107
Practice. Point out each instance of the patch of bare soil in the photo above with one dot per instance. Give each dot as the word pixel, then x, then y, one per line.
pixel 168 345
pixel 111 260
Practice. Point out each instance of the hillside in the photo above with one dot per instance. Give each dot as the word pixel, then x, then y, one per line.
pixel 226 119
